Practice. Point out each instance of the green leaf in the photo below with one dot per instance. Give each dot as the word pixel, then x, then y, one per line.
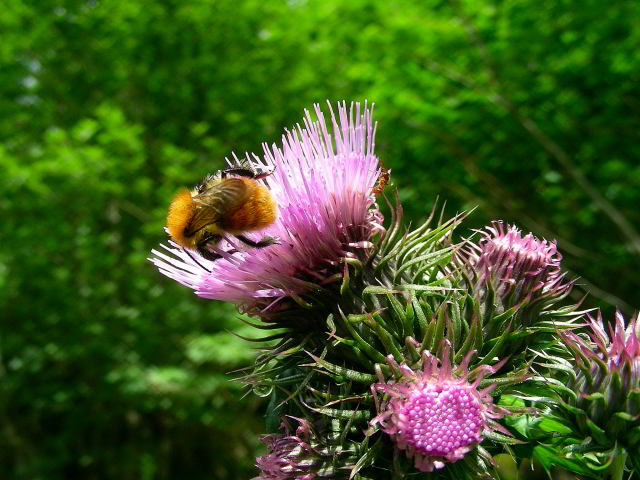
pixel 549 458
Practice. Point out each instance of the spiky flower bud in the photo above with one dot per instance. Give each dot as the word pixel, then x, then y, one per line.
pixel 591 392
pixel 437 415
pixel 515 267
pixel 607 382
pixel 296 456
pixel 514 283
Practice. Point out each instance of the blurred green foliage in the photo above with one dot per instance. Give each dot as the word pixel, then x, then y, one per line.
pixel 528 109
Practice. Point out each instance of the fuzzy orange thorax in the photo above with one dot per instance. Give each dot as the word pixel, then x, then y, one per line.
pixel 180 214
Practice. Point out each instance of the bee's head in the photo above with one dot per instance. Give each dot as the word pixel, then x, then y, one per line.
pixel 181 213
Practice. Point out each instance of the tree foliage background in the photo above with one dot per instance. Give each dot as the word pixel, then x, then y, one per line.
pixel 528 109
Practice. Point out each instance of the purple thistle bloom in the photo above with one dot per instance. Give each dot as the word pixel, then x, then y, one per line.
pixel 437 415
pixel 323 185
pixel 520 266
pixel 289 457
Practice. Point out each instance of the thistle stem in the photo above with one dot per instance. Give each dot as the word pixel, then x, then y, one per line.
pixel 616 470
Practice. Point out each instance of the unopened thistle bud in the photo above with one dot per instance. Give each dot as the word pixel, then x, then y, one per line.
pixel 297 455
pixel 592 389
pixel 514 283
pixel 517 268
pixel 607 382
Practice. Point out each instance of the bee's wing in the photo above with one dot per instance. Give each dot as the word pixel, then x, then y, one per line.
pixel 215 202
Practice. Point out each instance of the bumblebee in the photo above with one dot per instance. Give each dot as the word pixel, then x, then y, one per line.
pixel 230 201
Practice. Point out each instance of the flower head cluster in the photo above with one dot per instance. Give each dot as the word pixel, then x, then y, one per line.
pixel 340 289
pixel 322 183
pixel 437 415
pixel 607 383
pixel 515 266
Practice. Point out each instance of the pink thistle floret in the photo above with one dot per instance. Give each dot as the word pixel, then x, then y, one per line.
pixel 288 457
pixel 437 415
pixel 523 265
pixel 322 183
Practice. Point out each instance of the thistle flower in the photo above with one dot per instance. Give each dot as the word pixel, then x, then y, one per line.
pixel 437 415
pixel 607 382
pixel 323 185
pixel 517 268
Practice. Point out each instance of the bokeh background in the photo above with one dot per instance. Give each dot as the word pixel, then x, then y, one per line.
pixel 527 109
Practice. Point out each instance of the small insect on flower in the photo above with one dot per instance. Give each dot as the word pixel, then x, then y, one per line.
pixel 230 201
pixel 383 180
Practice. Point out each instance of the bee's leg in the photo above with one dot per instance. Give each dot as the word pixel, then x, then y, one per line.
pixel 240 171
pixel 258 176
pixel 264 242
pixel 204 250
pixel 245 172
pixel 208 254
